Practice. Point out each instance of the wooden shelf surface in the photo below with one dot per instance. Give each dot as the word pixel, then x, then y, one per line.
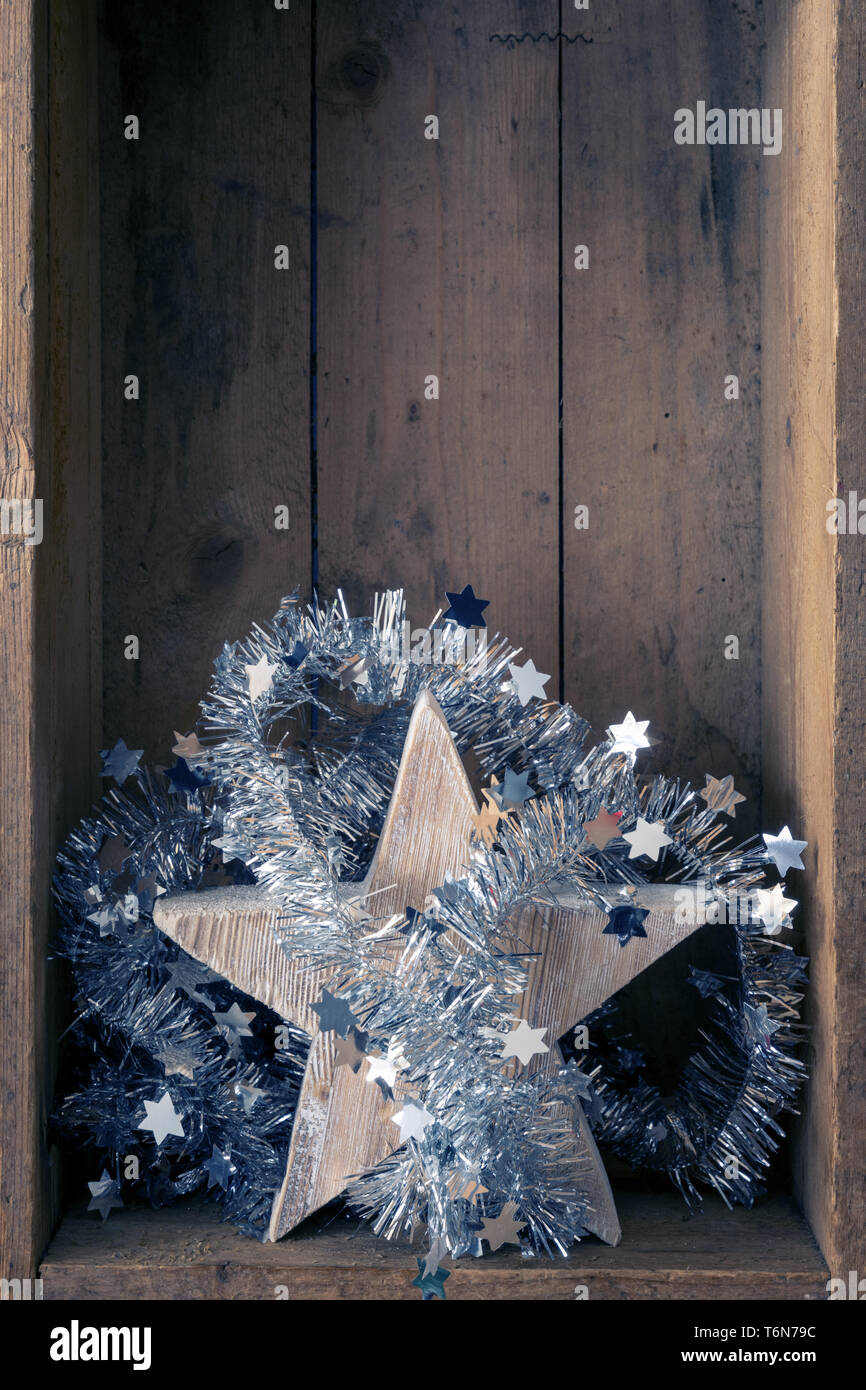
pixel 186 1252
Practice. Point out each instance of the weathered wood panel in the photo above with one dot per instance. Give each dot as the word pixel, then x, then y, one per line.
pixel 439 258
pixel 193 305
pixel 187 1253
pixel 49 593
pixel 813 422
pixel 668 307
pixel 846 1247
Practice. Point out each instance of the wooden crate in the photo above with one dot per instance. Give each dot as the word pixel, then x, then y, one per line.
pixel 558 387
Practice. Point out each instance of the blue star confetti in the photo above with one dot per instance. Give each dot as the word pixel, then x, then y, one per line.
pixel 184 778
pixel 120 762
pixel 431 1285
pixel 335 1016
pixel 466 609
pixel 626 922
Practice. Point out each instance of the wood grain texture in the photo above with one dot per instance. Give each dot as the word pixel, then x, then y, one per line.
pixel 193 304
pixel 813 581
pixel 439 258
pixel 846 1217
pixel 49 596
pixel 668 307
pixel 186 1252
pixel 341 1123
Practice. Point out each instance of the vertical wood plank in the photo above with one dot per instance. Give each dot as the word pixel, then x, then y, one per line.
pixel 847 1245
pixel 669 305
pixel 194 306
pixel 813 580
pixel 439 258
pixel 50 591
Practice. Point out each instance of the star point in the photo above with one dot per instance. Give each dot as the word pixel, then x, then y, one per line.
pixel 502 1229
pixel 528 682
pixel 720 795
pixel 466 610
pixel 785 851
pixel 260 676
pixel 630 735
pixel 413 1120
pixel 774 909
pixel 120 762
pixel 162 1119
pixel 647 838
pixel 524 1043
pixel 104 1195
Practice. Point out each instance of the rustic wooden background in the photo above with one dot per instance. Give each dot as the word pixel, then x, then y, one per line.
pixel 558 387
pixel 455 258
pixel 411 257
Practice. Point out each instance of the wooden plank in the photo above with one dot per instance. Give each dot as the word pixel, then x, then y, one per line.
pixel 439 258
pixel 193 304
pixel 21 272
pixel 846 1244
pixel 669 306
pixel 813 642
pixel 50 592
pixel 670 563
pixel 185 1252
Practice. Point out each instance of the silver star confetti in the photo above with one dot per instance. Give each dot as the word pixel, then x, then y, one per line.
pixel 528 682
pixel 785 851
pixel 162 1118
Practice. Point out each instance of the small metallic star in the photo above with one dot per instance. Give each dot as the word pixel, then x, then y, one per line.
pixel 187 746
pixel 515 789
pixel 626 922
pixel 219 1168
pixel 785 851
pixel 502 1230
pixel 524 1043
pixel 720 795
pixel 347 1053
pixel 412 1120
pixel 294 658
pixel 162 1118
pixel 260 678
pixel 247 1094
pixel 528 682
pixel 104 1195
pixel 383 1071
pixel 334 1014
pixel 184 778
pixel 105 918
pixel 466 609
pixel 647 839
pixel 120 762
pixel 235 1022
pixel 604 828
pixel 431 1285
pixel 432 1260
pixel 177 1061
pixel 630 735
pixel 759 1024
pixel 774 908
pixel 113 854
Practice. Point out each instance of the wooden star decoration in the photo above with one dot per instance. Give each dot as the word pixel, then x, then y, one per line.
pixel 342 1123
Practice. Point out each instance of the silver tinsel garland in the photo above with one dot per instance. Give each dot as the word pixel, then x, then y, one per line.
pixel 304 779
